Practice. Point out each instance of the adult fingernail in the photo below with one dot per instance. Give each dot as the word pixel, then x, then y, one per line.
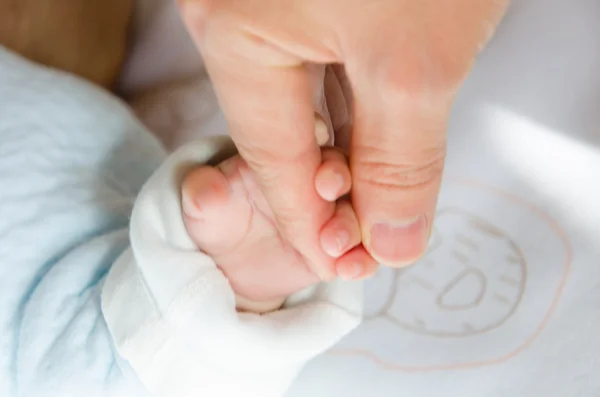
pixel 335 242
pixel 350 271
pixel 399 243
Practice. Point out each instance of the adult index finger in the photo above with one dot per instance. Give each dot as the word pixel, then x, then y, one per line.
pixel 267 97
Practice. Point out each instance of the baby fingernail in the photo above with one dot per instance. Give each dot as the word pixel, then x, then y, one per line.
pixel 189 206
pixel 330 184
pixel 336 181
pixel 321 132
pixel 334 243
pixel 350 271
pixel 399 243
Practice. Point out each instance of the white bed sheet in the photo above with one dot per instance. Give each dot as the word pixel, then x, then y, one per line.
pixel 507 302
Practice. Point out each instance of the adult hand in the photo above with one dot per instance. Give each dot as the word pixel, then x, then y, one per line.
pixel 404 60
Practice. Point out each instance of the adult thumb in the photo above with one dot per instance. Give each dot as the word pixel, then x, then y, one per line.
pixel 397 162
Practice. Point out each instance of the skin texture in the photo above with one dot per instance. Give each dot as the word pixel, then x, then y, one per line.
pixel 86 38
pixel 227 216
pixel 402 64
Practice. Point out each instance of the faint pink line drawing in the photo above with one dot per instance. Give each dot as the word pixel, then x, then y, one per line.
pixel 513 282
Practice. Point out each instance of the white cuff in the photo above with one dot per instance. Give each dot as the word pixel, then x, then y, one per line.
pixel 172 313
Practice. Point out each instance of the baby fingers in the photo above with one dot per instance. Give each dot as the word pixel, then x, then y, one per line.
pixel 342 232
pixel 356 264
pixel 215 218
pixel 333 179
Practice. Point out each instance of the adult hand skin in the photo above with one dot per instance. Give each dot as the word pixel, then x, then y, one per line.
pixel 404 60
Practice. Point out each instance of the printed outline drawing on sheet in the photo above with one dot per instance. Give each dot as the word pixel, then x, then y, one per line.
pixel 472 287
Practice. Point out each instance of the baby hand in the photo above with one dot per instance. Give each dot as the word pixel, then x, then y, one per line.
pixel 229 219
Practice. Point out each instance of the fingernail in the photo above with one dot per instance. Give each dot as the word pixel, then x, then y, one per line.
pixel 350 271
pixel 229 167
pixel 335 242
pixel 399 243
pixel 337 181
pixel 190 207
pixel 321 131
pixel 330 185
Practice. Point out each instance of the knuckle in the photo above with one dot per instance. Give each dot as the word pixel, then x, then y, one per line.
pixel 289 221
pixel 406 171
pixel 274 154
pixel 296 225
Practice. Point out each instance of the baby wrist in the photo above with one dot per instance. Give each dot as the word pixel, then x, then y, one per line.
pixel 244 304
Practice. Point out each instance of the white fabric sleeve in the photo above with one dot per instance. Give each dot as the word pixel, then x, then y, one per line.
pixel 172 313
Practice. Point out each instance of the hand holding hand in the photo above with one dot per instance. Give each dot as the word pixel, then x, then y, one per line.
pixel 404 60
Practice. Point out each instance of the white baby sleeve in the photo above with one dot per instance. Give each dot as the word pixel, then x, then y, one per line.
pixel 172 313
